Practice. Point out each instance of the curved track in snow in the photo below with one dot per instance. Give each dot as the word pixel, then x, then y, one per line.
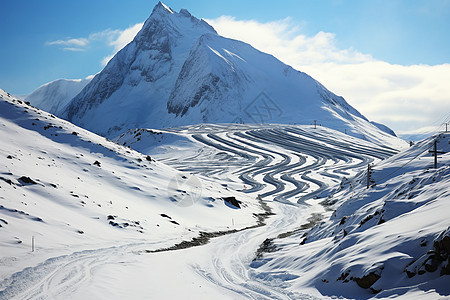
pixel 281 163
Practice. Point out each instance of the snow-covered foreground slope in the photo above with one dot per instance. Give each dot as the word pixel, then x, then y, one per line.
pixel 55 96
pixel 83 199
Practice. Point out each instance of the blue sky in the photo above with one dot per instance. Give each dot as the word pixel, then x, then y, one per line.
pixel 35 36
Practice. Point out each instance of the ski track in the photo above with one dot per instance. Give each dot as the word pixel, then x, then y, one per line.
pixel 58 277
pixel 284 165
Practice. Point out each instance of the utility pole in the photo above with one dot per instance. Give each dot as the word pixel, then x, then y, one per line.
pixel 435 152
pixel 368 175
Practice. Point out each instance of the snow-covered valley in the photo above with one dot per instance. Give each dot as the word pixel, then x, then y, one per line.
pixel 217 211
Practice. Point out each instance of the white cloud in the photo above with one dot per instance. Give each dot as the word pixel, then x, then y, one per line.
pixel 116 39
pixel 121 39
pixel 405 98
pixel 125 36
pixel 283 39
pixel 81 42
pixel 74 49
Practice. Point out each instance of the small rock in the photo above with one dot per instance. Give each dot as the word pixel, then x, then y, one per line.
pixel 27 180
pixel 368 280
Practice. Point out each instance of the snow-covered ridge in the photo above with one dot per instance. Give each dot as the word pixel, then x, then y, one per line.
pixel 56 95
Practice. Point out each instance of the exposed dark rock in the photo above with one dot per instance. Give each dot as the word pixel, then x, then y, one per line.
pixel 97 163
pixel 267 246
pixel 410 274
pixel 8 181
pixel 432 263
pixel 27 180
pixel 366 219
pixel 343 276
pixel 233 201
pixel 368 280
pixel 438 255
pixel 445 268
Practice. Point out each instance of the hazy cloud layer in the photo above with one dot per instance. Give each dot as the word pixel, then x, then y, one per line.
pixel 406 98
pixel 116 39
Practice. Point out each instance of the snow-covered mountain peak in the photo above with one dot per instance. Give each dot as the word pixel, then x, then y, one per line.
pixel 162 8
pixel 181 23
pixel 178 71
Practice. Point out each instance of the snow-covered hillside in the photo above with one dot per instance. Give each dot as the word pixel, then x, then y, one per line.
pixel 390 240
pixel 179 71
pixel 54 96
pixel 75 194
pixel 108 220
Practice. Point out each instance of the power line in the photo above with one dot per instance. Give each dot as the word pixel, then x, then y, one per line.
pixel 433 145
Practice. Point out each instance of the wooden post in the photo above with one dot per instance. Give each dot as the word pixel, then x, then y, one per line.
pixel 368 175
pixel 435 152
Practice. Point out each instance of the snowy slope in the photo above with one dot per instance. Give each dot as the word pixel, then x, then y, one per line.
pixel 392 240
pixel 94 208
pixel 54 96
pixel 80 195
pixel 179 71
